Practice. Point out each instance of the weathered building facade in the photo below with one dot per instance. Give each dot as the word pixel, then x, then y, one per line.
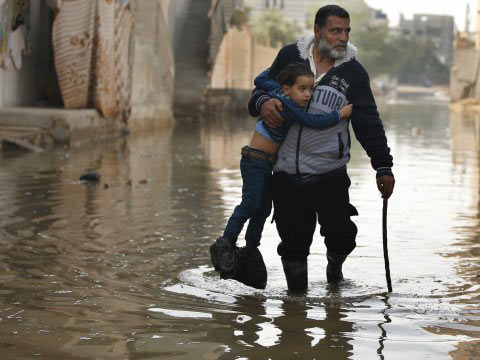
pixel 53 50
pixel 150 56
pixel 294 10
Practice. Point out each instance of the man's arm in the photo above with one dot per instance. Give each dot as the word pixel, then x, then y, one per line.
pixel 369 131
pixel 261 103
pixel 264 82
pixel 259 97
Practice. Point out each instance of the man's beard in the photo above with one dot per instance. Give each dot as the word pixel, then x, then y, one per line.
pixel 332 51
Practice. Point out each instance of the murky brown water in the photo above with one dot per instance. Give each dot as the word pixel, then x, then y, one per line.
pixel 121 270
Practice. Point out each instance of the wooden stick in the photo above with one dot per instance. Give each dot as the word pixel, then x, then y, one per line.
pixel 385 248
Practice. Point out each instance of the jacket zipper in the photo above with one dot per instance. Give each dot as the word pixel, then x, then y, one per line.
pixel 340 146
pixel 297 154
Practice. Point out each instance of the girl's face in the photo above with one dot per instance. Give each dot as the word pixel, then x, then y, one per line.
pixel 301 91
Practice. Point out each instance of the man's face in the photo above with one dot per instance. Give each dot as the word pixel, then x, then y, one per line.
pixel 332 39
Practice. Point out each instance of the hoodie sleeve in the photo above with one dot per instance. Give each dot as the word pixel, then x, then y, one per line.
pixel 368 128
pixel 264 82
pixel 292 112
pixel 260 96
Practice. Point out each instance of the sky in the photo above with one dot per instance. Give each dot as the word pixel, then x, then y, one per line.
pixel 457 8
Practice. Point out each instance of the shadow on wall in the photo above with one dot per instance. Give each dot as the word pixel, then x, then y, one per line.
pixel 190 34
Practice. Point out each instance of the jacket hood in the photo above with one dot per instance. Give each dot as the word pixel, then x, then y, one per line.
pixel 304 43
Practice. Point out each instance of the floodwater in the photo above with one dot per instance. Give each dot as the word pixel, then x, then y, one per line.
pixel 121 269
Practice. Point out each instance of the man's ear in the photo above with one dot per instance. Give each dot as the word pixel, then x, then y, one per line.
pixel 286 89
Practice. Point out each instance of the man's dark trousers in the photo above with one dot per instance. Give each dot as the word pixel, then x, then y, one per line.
pixel 297 206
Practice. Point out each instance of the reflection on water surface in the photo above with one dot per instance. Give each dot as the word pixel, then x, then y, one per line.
pixel 121 269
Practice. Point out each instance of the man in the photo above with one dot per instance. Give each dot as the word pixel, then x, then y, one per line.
pixel 310 178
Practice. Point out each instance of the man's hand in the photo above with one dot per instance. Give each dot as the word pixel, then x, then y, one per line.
pixel 270 112
pixel 385 185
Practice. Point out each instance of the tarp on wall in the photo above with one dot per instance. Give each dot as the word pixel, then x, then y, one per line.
pixel 91 46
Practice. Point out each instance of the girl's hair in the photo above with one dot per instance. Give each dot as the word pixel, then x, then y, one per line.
pixel 288 75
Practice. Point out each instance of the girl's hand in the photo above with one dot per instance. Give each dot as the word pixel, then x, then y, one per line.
pixel 346 111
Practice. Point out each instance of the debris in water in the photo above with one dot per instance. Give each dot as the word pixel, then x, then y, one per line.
pixel 18 144
pixel 90 176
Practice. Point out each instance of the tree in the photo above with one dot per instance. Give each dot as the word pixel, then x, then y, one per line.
pixel 240 17
pixel 273 29
pixel 418 64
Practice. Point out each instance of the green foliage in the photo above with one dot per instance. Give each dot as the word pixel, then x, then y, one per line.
pixel 377 52
pixel 240 17
pixel 273 29
pixel 418 64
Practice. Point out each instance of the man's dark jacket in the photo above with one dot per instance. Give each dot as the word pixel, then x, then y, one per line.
pixel 308 151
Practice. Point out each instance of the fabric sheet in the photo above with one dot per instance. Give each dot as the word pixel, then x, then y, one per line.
pixel 54 4
pixel 91 43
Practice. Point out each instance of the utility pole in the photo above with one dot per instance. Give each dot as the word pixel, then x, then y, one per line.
pixel 477 24
pixel 467 19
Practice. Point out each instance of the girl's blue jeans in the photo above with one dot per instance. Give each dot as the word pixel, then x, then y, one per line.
pixel 256 202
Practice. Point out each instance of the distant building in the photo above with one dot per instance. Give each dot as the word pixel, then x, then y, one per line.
pixel 294 10
pixel 300 10
pixel 379 17
pixel 435 29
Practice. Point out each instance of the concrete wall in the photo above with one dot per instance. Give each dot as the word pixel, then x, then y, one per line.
pixel 171 52
pixel 239 60
pixel 21 87
pixel 196 35
pixel 152 64
pixel 151 59
pixel 464 74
